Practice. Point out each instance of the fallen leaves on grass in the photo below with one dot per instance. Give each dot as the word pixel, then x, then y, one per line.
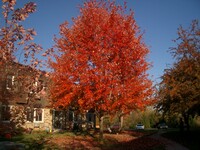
pixel 76 142
pixel 143 143
pixel 124 140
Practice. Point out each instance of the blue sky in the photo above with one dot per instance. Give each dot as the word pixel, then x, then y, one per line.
pixel 159 19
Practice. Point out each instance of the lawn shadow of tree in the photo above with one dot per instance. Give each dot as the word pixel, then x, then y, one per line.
pixel 141 143
pixel 109 143
pixel 33 141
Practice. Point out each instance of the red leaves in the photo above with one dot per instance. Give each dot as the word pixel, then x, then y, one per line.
pixel 103 58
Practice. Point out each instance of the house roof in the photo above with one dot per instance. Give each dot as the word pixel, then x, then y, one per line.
pixel 25 90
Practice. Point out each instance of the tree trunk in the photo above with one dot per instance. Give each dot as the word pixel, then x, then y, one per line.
pixel 186 120
pixel 121 122
pixel 101 128
pixel 181 125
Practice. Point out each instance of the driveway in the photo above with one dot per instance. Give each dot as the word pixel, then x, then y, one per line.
pixel 170 145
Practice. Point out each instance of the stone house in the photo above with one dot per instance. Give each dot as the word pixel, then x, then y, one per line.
pixel 23 96
pixel 24 101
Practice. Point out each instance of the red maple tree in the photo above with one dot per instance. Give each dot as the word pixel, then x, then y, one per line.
pixel 100 61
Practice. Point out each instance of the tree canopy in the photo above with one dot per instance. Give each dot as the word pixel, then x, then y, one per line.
pixel 16 42
pixel 180 86
pixel 102 61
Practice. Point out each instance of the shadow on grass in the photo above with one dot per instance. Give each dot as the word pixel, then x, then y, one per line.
pixel 87 140
pixel 63 140
pixel 31 141
pixel 141 143
pixel 188 139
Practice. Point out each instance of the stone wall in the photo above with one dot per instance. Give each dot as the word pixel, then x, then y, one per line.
pixel 46 124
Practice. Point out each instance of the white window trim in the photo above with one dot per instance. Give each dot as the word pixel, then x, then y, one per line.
pixel 36 83
pixel 12 81
pixel 34 116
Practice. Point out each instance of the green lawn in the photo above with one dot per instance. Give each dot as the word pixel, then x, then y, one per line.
pixel 83 140
pixel 38 140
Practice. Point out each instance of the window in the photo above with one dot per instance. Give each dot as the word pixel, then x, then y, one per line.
pixel 5 113
pixel 38 85
pixel 90 117
pixel 38 115
pixel 10 81
pixel 29 114
pixel 71 115
pixel 35 115
pixel 35 84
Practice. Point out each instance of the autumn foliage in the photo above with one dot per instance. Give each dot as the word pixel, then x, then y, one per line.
pixel 16 42
pixel 18 61
pixel 179 89
pixel 100 61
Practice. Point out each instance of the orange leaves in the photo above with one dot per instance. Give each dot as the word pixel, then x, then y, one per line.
pixel 22 13
pixel 102 59
pixel 180 84
pixel 15 37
